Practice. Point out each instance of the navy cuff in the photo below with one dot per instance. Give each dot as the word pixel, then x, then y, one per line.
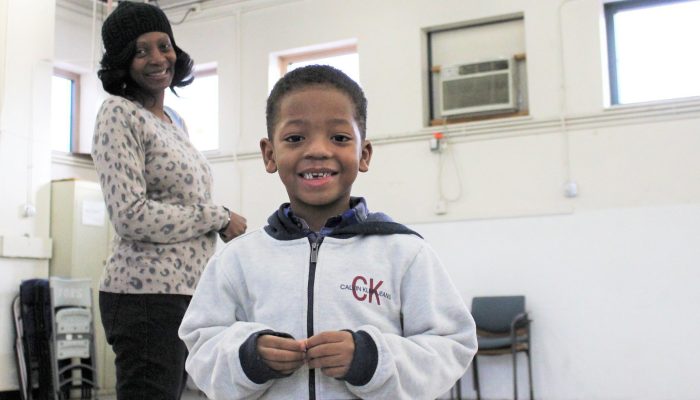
pixel 364 359
pixel 253 365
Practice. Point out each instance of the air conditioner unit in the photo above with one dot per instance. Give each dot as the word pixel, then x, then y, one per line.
pixel 477 87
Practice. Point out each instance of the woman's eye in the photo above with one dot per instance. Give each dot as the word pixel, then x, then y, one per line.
pixel 165 47
pixel 140 52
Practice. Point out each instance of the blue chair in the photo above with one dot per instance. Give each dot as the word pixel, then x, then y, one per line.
pixel 502 327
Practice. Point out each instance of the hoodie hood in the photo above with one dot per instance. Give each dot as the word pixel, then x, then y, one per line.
pixel 281 227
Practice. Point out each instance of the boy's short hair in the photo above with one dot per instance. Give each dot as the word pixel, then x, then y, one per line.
pixel 316 75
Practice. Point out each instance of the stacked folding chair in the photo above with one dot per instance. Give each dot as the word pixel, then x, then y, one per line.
pixel 55 339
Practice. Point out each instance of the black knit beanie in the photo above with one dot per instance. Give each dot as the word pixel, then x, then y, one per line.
pixel 129 21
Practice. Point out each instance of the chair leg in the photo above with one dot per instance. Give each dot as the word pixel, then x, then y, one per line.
pixel 529 371
pixel 459 389
pixel 515 375
pixel 475 375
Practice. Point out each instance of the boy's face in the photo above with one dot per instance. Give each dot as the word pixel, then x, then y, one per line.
pixel 317 149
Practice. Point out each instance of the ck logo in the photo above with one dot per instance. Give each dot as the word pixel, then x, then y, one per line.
pixel 373 290
pixel 363 290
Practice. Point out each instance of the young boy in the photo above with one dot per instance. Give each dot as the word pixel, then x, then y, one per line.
pixel 328 301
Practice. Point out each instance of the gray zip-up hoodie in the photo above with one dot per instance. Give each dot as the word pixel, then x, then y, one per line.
pixel 413 333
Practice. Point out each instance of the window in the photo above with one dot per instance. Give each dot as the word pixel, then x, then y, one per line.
pixel 652 49
pixel 342 56
pixel 468 80
pixel 198 104
pixel 65 103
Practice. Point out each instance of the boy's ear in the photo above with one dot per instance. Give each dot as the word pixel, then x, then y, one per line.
pixel 268 155
pixel 365 155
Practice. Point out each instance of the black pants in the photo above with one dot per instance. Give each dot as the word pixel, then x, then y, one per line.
pixel 142 329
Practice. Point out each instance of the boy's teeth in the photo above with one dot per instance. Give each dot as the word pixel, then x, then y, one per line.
pixel 315 175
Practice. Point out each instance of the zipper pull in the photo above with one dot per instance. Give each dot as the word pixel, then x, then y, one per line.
pixel 314 252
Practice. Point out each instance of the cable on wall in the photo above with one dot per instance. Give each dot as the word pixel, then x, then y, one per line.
pixel 239 108
pixel 439 144
pixel 570 185
pixel 3 71
pixel 93 44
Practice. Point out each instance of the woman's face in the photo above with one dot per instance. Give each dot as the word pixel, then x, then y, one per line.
pixel 153 66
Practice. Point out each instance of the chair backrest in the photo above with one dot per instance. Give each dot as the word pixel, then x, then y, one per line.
pixel 67 292
pixel 495 313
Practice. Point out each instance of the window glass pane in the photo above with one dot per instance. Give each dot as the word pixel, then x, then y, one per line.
pixel 198 105
pixel 61 117
pixel 348 63
pixel 655 52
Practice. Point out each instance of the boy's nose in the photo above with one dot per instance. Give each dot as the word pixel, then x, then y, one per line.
pixel 318 148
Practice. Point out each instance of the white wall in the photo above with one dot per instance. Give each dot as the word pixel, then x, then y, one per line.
pixel 25 151
pixel 607 274
pixel 610 292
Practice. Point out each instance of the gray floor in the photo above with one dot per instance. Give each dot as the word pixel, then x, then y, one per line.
pixel 187 395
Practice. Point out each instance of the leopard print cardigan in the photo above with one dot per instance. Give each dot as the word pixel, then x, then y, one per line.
pixel 157 189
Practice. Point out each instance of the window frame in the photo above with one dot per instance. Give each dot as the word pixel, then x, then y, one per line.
pixel 74 77
pixel 433 69
pixel 610 10
pixel 284 60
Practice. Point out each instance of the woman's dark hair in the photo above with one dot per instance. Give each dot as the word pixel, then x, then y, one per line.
pixel 116 80
pixel 311 75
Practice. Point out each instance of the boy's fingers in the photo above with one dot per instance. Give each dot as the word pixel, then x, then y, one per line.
pixel 334 361
pixel 334 347
pixel 281 343
pixel 285 368
pixel 328 337
pixel 279 355
pixel 335 372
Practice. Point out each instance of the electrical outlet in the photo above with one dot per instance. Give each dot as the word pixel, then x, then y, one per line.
pixel 28 210
pixel 570 189
pixel 434 145
pixel 437 142
pixel 441 207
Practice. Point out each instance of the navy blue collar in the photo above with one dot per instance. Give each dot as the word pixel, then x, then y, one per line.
pixel 357 220
pixel 357 213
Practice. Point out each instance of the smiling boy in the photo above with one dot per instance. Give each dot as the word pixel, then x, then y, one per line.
pixel 328 301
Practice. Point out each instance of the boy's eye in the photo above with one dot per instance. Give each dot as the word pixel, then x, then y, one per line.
pixel 340 138
pixel 293 138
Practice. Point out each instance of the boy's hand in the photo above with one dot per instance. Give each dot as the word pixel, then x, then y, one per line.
pixel 331 351
pixel 284 355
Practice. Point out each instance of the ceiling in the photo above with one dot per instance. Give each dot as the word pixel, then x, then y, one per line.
pixel 166 5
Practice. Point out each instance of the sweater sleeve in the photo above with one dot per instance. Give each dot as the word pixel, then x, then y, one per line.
pixel 439 335
pixel 119 155
pixel 220 360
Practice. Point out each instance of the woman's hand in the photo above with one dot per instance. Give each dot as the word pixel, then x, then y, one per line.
pixel 236 227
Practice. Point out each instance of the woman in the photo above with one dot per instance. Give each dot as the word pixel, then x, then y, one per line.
pixel 157 188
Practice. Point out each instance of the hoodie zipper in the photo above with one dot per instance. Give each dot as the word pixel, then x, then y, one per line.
pixel 315 245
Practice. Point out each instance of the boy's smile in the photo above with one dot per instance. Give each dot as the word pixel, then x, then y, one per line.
pixel 317 150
